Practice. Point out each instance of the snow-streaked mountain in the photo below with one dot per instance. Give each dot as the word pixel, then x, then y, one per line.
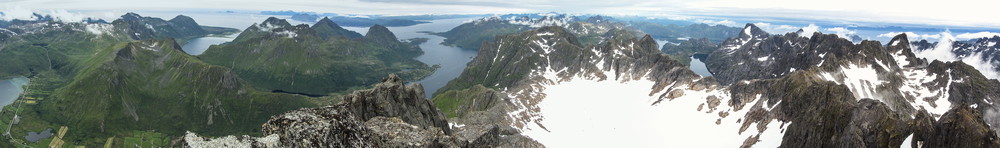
pixel 772 90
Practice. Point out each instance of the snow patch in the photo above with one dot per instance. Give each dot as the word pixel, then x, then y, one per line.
pixel 913 84
pixel 763 58
pixel 99 29
pixel 288 34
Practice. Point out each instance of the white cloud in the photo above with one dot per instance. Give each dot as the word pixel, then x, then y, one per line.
pixel 17 12
pixel 942 51
pixel 842 32
pixel 967 36
pixel 912 36
pixel 66 16
pixel 776 29
pixel 984 67
pixel 807 31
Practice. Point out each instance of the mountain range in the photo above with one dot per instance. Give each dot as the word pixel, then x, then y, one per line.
pixel 316 60
pixel 129 82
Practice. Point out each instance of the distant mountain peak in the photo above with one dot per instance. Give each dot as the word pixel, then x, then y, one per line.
pixel 900 39
pixel 273 22
pixel 380 34
pixel 131 16
pixel 327 28
pixel 752 31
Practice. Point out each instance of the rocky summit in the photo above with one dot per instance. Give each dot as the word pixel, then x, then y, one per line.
pixel 389 115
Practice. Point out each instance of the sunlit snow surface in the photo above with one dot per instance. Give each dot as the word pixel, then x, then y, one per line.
pixel 585 112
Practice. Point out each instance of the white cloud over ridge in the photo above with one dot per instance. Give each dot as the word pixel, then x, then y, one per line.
pixel 20 13
pixel 943 52
pixel 66 16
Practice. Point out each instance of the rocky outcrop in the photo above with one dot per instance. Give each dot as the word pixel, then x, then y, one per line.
pixel 389 115
pixel 192 140
pixel 962 126
pixel 392 99
pixel 873 124
pixel 361 120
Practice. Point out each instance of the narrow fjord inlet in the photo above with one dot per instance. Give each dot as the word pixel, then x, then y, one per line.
pixel 482 73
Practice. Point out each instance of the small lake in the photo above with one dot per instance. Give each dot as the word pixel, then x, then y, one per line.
pixel 35 136
pixel 10 89
pixel 453 60
pixel 699 67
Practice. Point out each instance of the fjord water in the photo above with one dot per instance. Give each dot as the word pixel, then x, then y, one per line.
pixel 10 89
pixel 199 45
pixel 452 60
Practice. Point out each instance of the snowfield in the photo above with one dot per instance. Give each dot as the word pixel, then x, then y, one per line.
pixel 581 113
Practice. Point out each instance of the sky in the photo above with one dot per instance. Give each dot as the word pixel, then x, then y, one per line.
pixel 957 13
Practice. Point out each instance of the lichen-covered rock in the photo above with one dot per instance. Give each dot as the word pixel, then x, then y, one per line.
pixel 192 140
pixel 396 133
pixel 331 126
